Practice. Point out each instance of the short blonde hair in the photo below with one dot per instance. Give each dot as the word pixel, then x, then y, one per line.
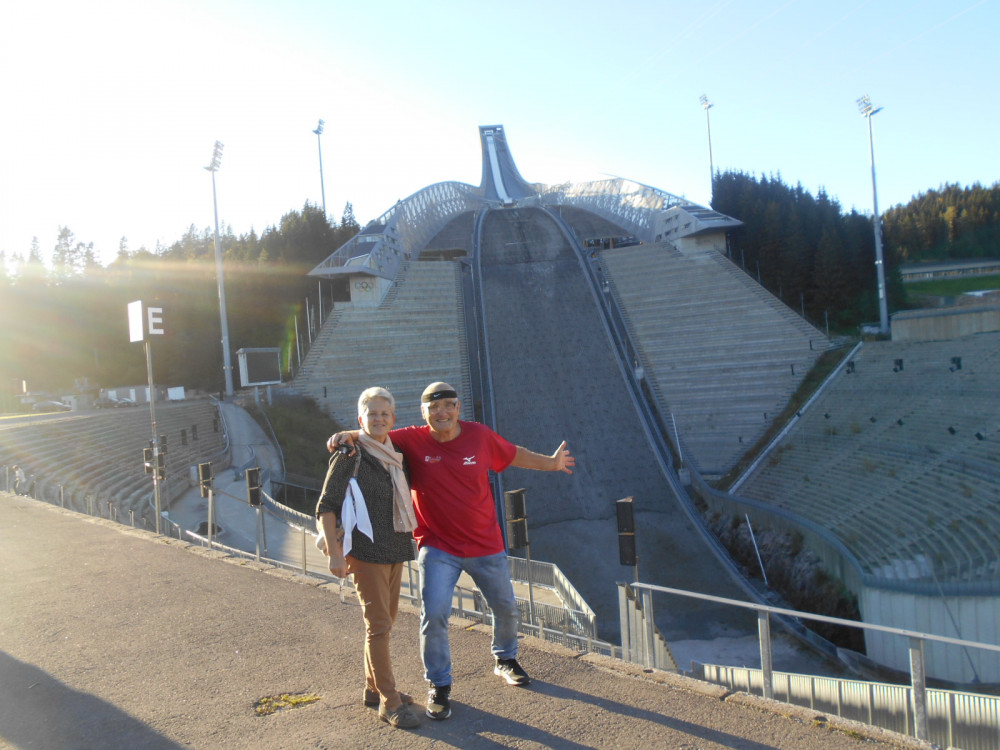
pixel 375 392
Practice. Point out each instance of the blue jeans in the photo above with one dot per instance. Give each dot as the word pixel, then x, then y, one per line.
pixel 439 573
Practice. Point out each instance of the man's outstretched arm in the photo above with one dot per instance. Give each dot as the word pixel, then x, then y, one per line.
pixel 561 460
pixel 348 438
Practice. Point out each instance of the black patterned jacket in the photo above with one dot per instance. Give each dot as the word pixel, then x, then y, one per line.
pixel 376 485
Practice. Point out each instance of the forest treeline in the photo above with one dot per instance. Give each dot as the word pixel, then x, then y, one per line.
pixel 820 260
pixel 951 223
pixel 65 323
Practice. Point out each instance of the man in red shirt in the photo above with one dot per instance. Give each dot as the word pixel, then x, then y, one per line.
pixel 449 461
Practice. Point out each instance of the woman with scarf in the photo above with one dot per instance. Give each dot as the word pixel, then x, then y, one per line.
pixel 367 496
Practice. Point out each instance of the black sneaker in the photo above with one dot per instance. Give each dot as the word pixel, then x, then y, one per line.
pixel 438 705
pixel 511 671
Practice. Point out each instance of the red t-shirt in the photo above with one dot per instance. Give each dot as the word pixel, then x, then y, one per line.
pixel 450 487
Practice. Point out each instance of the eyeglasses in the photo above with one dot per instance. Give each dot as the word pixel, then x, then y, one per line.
pixel 436 407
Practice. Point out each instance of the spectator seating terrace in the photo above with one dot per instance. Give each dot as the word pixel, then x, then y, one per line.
pixel 900 459
pixel 98 455
pixel 722 354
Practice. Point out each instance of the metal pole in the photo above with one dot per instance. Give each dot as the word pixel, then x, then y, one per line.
pixel 707 105
pixel 680 456
pixel 918 682
pixel 883 311
pixel 263 528
pixel 623 621
pixel 298 350
pixel 756 548
pixel 260 523
pixel 227 365
pixel 211 515
pixel 764 631
pixel 156 443
pixel 649 633
pixel 303 550
pixel 531 590
pixel 866 108
pixel 322 185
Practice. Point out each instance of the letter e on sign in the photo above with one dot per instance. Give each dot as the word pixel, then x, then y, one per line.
pixel 154 316
pixel 153 321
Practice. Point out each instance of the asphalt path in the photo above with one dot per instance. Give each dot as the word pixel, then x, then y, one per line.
pixel 113 637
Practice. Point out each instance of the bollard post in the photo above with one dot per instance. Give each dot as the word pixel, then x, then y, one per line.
pixel 303 550
pixel 211 514
pixel 918 681
pixel 764 631
pixel 409 580
pixel 649 629
pixel 259 529
pixel 623 621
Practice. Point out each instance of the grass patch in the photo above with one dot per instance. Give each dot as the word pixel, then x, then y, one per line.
pixel 954 287
pixel 825 364
pixel 302 429
pixel 274 703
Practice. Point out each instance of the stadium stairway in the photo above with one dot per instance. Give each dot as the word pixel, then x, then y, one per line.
pixel 414 337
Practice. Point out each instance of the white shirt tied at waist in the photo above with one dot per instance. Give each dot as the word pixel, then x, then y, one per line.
pixel 354 515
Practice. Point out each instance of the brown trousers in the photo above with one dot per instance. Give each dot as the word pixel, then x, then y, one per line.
pixel 378 592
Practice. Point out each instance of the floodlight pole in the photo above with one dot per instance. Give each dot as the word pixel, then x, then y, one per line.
pixel 227 365
pixel 707 105
pixel 322 186
pixel 867 110
pixel 157 448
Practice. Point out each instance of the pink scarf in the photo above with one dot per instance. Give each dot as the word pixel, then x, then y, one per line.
pixel 403 518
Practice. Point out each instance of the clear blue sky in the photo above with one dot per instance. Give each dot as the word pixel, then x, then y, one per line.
pixel 111 109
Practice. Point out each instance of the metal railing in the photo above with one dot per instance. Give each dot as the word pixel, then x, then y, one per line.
pixel 563 625
pixel 629 204
pixel 928 711
pixel 955 719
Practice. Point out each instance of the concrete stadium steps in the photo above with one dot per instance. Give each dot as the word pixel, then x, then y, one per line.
pixel 416 336
pixel 63 452
pixel 901 466
pixel 718 350
pixel 776 306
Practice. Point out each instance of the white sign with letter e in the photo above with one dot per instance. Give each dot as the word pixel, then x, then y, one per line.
pixel 140 326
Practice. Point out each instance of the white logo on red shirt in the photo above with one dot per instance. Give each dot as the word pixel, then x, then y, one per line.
pixel 469 461
pixel 432 459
